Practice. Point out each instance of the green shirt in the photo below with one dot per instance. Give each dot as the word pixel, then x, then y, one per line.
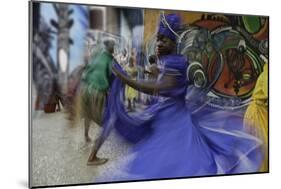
pixel 97 73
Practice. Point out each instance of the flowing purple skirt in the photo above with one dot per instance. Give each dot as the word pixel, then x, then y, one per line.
pixel 169 142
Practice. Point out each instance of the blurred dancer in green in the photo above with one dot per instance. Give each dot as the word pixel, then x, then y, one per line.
pixel 95 84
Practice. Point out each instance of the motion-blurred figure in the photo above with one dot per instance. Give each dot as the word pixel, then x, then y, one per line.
pixel 131 94
pixel 94 88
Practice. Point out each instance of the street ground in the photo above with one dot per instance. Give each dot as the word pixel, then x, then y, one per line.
pixel 59 152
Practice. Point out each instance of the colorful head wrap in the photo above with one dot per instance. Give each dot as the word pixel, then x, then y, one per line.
pixel 168 25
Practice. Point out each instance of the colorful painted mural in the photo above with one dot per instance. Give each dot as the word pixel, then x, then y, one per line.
pixel 236 42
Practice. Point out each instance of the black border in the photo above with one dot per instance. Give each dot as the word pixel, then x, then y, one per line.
pixel 30 62
pixel 268 93
pixel 30 38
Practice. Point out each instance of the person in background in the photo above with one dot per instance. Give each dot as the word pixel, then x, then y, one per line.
pixel 94 88
pixel 123 58
pixel 130 93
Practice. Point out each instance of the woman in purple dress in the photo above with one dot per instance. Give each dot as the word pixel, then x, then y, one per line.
pixel 167 141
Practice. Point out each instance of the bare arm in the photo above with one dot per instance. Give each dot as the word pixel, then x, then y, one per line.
pixel 149 87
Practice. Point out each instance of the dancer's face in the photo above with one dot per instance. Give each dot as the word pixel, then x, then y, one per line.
pixel 164 45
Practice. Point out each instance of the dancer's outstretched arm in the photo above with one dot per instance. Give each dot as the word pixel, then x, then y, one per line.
pixel 149 87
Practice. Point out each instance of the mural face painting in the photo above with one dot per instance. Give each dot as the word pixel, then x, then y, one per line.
pixel 132 94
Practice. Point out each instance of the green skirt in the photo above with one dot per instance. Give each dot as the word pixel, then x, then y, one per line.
pixel 92 104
